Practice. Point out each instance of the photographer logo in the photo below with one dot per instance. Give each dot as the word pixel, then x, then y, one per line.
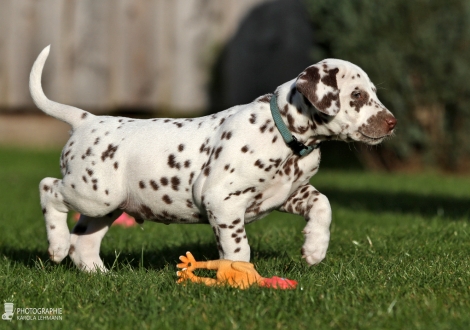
pixel 31 314
pixel 8 315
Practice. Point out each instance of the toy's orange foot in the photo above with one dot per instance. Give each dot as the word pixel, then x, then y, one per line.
pixel 188 262
pixel 184 275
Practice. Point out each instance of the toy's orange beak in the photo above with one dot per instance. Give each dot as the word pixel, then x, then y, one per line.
pixel 278 283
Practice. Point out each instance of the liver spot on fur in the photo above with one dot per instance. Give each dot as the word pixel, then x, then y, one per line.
pixel 154 185
pixel 252 118
pixel 167 199
pixel 175 182
pixel 359 99
pixel 109 152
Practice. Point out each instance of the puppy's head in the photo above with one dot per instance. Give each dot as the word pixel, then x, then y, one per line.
pixel 344 100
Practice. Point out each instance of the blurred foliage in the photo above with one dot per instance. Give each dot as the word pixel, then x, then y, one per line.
pixel 418 55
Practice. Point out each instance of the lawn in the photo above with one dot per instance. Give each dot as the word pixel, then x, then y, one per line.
pixel 399 258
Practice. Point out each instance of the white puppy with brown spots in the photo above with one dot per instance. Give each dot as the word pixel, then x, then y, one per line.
pixel 226 170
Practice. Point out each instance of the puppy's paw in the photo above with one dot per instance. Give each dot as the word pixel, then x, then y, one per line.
pixel 57 253
pixel 313 254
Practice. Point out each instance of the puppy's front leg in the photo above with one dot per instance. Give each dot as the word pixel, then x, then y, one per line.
pixel 315 208
pixel 227 221
pixel 231 240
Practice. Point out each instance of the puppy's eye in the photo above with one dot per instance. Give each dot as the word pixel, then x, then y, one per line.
pixel 356 95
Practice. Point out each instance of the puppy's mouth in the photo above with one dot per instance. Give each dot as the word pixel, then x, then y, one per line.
pixel 372 139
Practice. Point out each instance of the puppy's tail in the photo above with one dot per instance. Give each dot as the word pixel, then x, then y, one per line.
pixel 71 115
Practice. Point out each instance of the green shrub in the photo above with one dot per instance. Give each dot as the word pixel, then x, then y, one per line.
pixel 418 55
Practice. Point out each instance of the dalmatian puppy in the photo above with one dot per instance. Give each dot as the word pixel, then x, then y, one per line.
pixel 225 170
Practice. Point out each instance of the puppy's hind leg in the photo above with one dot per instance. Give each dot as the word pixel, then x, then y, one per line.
pixel 55 215
pixel 85 241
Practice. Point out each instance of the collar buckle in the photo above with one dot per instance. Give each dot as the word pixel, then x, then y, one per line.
pixel 296 146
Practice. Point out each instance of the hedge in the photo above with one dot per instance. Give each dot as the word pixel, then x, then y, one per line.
pixel 418 55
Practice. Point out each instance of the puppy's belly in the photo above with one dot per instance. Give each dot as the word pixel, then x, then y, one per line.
pixel 164 207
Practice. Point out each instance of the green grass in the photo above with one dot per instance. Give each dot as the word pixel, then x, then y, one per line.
pixel 399 258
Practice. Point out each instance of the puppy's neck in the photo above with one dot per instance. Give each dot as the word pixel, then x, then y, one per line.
pixel 302 119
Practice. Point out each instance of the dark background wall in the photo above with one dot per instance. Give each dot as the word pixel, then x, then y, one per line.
pixel 272 45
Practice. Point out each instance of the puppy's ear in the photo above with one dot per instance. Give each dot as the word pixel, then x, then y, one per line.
pixel 318 84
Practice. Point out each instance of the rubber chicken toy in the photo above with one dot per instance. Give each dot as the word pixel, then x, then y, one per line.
pixel 238 274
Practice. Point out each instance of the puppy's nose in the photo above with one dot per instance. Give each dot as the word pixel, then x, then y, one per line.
pixel 391 122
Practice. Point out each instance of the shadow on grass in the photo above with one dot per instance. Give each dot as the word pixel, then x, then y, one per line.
pixel 380 201
pixel 157 259
pixel 32 258
pixel 152 259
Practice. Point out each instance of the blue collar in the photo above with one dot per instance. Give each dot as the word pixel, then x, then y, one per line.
pixel 297 147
